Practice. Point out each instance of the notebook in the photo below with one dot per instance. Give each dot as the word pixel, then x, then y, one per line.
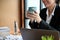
pixel 39 34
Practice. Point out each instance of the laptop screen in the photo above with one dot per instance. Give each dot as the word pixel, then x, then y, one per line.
pixel 39 34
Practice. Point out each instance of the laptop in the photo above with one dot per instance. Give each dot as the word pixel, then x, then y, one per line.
pixel 39 34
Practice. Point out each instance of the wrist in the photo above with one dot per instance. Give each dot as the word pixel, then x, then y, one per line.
pixel 39 21
pixel 31 21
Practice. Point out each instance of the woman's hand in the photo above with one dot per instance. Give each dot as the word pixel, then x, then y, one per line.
pixel 37 17
pixel 34 16
pixel 29 15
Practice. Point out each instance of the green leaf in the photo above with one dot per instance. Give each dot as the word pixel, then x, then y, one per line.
pixel 50 37
pixel 43 38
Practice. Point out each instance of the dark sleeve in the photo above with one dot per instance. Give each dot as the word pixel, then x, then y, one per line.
pixel 33 25
pixel 44 25
pixel 41 25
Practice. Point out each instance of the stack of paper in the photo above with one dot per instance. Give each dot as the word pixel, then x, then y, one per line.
pixel 4 31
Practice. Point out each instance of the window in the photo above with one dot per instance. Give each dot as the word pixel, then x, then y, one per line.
pixel 31 3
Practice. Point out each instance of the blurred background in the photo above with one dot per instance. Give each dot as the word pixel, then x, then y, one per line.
pixel 9 12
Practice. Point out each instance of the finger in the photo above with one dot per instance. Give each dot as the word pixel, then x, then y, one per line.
pixel 34 15
pixel 35 12
pixel 29 16
pixel 28 12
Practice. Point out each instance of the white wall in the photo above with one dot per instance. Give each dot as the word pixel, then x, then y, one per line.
pixel 9 13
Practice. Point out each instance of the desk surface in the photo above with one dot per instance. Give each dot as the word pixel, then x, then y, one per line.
pixel 16 36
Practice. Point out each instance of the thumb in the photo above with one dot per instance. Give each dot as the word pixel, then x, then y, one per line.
pixel 35 12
